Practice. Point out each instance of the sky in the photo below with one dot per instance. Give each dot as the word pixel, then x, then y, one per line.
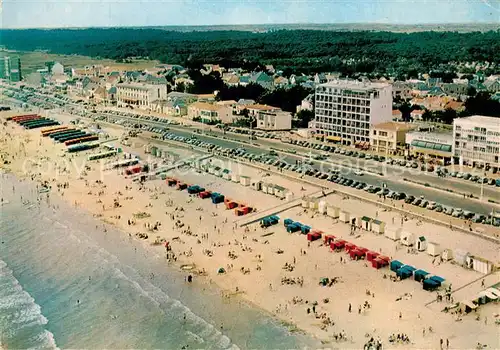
pixel 109 13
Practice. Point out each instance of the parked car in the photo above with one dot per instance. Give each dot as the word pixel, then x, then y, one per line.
pixel 448 210
pixel 409 199
pixel 417 201
pixel 478 218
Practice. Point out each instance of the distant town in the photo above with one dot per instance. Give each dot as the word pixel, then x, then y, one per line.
pixel 346 183
pixel 438 122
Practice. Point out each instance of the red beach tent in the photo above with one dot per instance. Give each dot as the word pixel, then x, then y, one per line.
pixel 328 239
pixel 370 255
pixel 349 246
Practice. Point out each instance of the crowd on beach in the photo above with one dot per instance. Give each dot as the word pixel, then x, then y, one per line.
pixel 183 222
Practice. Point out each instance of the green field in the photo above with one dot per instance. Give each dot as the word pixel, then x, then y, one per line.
pixel 31 61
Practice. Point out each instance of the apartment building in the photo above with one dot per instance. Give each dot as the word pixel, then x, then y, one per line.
pixel 210 113
pixel 345 110
pixel 10 69
pixel 389 137
pixel 476 141
pixel 139 95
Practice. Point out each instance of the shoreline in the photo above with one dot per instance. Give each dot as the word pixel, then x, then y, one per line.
pixel 292 316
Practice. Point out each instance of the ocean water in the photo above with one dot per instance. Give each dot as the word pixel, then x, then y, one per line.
pixel 65 283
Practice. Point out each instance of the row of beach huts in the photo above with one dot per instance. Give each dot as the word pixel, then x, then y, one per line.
pixel 410 239
pixel 239 208
pixel 429 281
pixel 75 139
pixel 258 185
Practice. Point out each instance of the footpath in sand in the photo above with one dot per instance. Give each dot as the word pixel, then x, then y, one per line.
pixel 271 268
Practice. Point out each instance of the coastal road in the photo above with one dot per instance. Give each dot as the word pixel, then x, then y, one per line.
pixel 393 182
pixel 390 171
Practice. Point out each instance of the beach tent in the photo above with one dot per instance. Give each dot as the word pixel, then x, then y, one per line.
pixel 256 185
pixel 421 244
pixel 313 203
pixel 226 174
pixel 481 265
pixel 380 261
pixel 293 227
pixel 305 202
pixel 231 205
pixel 344 217
pixel 437 279
pixel 338 244
pixel 467 306
pixel 356 254
pixel 447 254
pixel 205 194
pixel 430 284
pixel 332 211
pixel 280 192
pixel 460 256
pixel 313 236
pixel 217 198
pixel 245 180
pixel 287 222
pixel 393 234
pixel 396 265
pixel 370 255
pixel 407 238
pixel 366 223
pixel 322 207
pixel 305 229
pixel 378 226
pixel 405 272
pixel 420 275
pixel 328 239
pixel 349 246
pixel 221 270
pixel 433 249
pixel 363 250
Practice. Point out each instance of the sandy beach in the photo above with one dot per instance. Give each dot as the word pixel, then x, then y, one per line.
pixel 275 270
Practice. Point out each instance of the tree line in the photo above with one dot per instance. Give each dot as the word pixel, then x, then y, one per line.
pixel 300 51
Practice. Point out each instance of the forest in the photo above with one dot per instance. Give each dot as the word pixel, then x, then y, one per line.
pixel 299 51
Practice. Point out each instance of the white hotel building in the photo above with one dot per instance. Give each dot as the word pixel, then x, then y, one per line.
pixel 477 141
pixel 345 110
pixel 139 95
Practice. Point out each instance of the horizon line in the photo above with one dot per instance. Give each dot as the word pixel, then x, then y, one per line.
pixel 264 24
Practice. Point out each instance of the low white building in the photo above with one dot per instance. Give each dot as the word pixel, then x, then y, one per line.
pixel 57 69
pixel 476 141
pixel 436 146
pixel 210 113
pixel 140 95
pixel 274 120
